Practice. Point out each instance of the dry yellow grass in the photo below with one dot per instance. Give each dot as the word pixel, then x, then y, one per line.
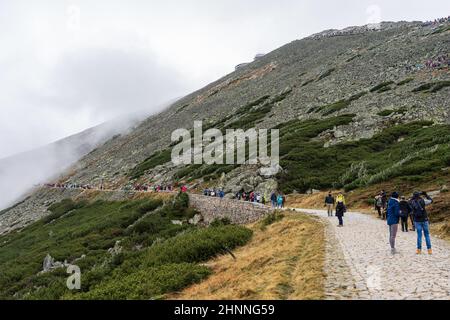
pixel 283 261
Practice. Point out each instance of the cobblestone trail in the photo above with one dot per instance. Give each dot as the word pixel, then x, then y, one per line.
pixel 359 264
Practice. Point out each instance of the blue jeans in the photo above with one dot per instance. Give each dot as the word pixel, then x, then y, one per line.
pixel 425 228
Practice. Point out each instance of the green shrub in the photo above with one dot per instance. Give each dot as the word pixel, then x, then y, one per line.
pixel 61 208
pixel 150 283
pixel 149 205
pixel 308 165
pixel 153 161
pixel 432 86
pixel 405 81
pixel 271 219
pixel 381 86
pixel 198 245
pixel 220 222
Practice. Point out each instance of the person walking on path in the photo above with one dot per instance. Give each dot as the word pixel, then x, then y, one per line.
pixel 405 211
pixel 418 205
pixel 273 199
pixel 384 201
pixel 340 209
pixel 280 201
pixel 393 219
pixel 379 205
pixel 329 203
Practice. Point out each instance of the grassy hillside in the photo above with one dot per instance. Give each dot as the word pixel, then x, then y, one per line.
pixel 284 260
pixel 152 258
pixel 410 151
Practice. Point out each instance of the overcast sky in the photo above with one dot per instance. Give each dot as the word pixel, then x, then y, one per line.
pixel 66 65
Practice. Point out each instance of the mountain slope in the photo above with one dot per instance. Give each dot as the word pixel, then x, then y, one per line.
pixel 18 173
pixel 330 90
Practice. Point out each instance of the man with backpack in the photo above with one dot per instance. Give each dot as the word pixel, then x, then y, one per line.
pixel 329 203
pixel 393 219
pixel 405 211
pixel 421 221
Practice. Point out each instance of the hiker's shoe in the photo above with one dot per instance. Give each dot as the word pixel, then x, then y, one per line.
pixel 393 251
pixel 419 251
pixel 430 251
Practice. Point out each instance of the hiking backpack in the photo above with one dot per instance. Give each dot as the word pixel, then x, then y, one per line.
pixel 418 209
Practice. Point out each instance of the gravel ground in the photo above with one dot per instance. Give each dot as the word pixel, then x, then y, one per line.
pixel 359 264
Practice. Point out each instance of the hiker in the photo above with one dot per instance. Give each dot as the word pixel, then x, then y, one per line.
pixel 405 211
pixel 273 199
pixel 421 221
pixel 384 202
pixel 379 205
pixel 280 201
pixel 329 203
pixel 393 219
pixel 258 197
pixel 340 198
pixel 340 209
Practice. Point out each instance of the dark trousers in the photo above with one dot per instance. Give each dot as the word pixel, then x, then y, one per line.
pixel 379 211
pixel 412 222
pixel 384 213
pixel 341 220
pixel 405 224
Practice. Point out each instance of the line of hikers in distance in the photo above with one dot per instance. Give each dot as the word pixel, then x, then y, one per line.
pixel 277 199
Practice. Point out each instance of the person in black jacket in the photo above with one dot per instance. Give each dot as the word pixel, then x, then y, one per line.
pixel 405 211
pixel 384 202
pixel 329 203
pixel 421 220
pixel 340 211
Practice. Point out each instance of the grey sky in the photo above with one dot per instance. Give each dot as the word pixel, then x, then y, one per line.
pixel 68 65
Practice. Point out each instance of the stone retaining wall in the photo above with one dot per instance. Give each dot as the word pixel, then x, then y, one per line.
pixel 239 212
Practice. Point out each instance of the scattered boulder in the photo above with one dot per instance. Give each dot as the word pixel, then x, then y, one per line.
pixel 196 219
pixel 271 171
pixel 48 263
pixel 117 249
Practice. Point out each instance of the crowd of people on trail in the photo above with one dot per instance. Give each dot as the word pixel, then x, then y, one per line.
pixel 214 193
pixel 396 210
pixel 399 209
pixel 137 187
pixel 163 188
pixel 252 196
pixel 69 186
pixel 438 62
pixel 436 22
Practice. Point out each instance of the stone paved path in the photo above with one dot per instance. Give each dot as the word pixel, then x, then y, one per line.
pixel 359 264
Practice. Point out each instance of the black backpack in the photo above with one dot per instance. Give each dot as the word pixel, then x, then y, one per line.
pixel 418 209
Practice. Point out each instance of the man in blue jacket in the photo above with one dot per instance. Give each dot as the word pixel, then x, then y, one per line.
pixel 393 219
